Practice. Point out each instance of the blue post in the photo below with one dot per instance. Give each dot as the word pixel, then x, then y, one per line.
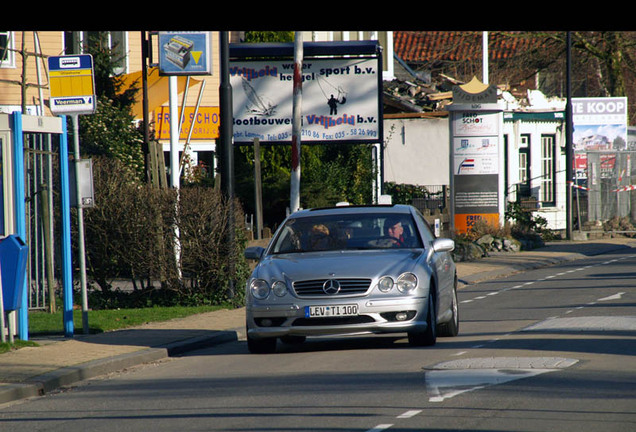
pixel 67 273
pixel 20 215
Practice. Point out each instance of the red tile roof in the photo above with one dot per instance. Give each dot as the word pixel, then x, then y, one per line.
pixel 428 46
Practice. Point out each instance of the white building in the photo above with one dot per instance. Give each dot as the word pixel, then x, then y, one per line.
pixel 417 152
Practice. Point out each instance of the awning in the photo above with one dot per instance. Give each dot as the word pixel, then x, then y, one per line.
pixel 158 89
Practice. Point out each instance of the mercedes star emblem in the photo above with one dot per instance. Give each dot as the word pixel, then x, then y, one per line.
pixel 331 287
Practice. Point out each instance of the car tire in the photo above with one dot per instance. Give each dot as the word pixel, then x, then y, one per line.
pixel 428 337
pixel 261 346
pixel 451 328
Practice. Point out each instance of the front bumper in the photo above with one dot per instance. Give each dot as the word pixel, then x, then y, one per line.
pixel 397 315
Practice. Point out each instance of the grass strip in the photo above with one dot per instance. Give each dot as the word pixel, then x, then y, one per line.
pixel 107 320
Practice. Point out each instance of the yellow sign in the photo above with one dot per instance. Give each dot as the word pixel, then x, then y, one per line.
pixel 71 84
pixel 204 127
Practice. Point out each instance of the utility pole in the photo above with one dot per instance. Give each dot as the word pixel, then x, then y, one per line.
pixel 296 123
pixel 144 79
pixel 227 152
pixel 484 59
pixel 568 138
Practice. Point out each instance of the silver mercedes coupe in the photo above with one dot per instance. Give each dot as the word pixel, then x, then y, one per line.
pixel 352 270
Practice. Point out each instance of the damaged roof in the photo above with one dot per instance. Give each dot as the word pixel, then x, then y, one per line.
pixel 417 89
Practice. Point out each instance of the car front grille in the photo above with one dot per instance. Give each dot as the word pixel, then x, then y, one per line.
pixel 314 288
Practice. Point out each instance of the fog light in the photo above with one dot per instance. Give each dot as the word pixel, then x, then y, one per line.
pixel 266 322
pixel 401 316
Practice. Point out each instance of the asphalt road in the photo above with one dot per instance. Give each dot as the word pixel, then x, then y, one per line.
pixel 546 350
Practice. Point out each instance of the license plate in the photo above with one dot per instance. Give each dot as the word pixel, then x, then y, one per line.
pixel 331 311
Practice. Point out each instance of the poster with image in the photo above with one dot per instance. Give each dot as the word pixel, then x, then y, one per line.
pixel 339 100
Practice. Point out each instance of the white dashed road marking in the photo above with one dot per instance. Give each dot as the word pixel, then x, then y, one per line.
pixel 379 428
pixel 590 323
pixel 409 414
pixel 449 379
pixel 616 296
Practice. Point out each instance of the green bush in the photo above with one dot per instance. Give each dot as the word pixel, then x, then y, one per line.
pixel 527 224
pixel 404 193
pixel 131 235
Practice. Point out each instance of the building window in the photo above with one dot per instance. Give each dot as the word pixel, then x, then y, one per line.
pixel 115 41
pixel 7 56
pixel 547 170
pixel 524 167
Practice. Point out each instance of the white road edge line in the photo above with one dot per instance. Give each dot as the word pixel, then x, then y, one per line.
pixel 380 427
pixel 409 414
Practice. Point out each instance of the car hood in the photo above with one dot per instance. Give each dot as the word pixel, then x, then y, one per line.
pixel 340 264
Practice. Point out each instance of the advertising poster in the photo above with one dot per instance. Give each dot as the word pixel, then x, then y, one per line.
pixel 340 100
pixel 600 124
pixel 202 125
pixel 184 53
pixel 475 150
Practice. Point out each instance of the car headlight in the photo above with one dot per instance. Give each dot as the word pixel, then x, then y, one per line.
pixel 407 282
pixel 259 289
pixel 279 288
pixel 385 284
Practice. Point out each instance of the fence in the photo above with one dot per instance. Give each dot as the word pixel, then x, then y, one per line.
pixel 604 188
pixel 435 205
pixel 41 168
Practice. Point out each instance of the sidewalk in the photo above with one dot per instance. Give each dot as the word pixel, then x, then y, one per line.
pixel 58 362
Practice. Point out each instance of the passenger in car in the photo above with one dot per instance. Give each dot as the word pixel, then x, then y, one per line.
pixel 319 238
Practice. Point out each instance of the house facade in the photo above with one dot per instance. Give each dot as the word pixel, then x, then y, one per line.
pixel 417 152
pixel 24 84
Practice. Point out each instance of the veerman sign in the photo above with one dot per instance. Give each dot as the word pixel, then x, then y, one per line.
pixel 72 84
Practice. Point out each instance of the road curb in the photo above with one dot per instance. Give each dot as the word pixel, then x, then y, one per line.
pixel 513 268
pixel 50 381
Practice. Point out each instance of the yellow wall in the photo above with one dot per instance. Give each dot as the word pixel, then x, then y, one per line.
pixel 51 43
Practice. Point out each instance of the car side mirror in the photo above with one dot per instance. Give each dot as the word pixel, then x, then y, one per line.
pixel 254 252
pixel 443 245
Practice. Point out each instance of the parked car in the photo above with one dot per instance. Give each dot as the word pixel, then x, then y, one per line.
pixel 349 269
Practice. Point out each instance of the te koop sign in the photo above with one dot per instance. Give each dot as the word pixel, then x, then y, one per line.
pixel 599 110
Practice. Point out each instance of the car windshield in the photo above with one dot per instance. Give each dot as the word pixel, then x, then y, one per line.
pixel 347 232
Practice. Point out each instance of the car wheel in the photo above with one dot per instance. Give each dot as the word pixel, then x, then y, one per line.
pixel 261 346
pixel 451 328
pixel 428 337
pixel 293 340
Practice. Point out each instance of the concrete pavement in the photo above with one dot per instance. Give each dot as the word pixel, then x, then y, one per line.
pixel 59 362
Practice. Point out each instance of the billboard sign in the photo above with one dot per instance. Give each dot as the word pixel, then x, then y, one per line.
pixel 184 53
pixel 339 100
pixel 476 156
pixel 476 159
pixel 600 124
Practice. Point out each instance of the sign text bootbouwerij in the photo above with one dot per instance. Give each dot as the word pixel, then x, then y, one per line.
pixel 339 100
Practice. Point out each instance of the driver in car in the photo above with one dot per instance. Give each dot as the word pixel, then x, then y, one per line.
pixel 395 230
